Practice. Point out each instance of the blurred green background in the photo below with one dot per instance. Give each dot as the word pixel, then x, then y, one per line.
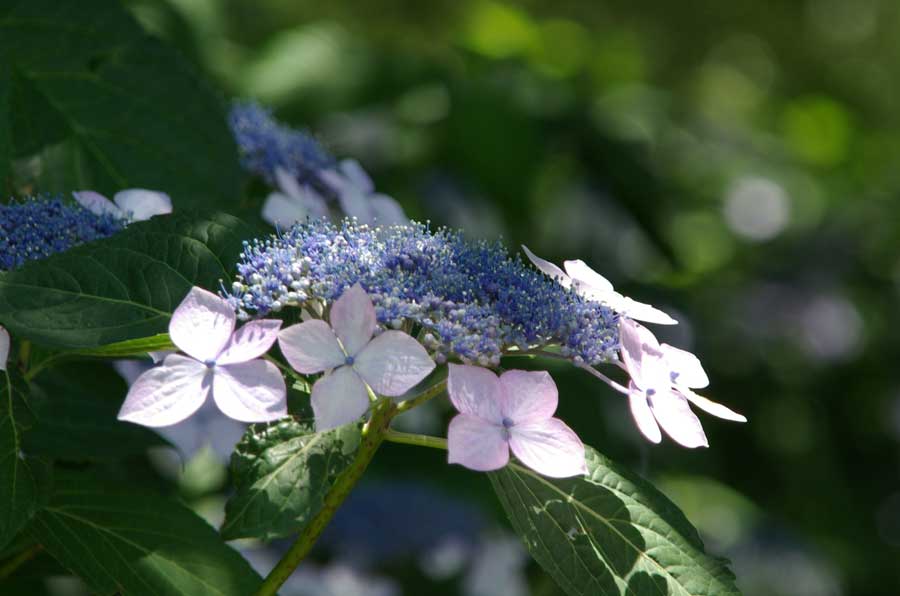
pixel 737 164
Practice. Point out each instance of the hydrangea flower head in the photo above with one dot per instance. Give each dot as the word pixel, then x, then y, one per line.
pixel 39 227
pixel 220 362
pixel 661 388
pixel 512 412
pixel 133 204
pixel 391 363
pixel 473 300
pixel 594 286
pixel 4 347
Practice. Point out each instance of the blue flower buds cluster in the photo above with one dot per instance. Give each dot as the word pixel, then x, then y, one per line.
pixel 471 299
pixel 265 145
pixel 39 227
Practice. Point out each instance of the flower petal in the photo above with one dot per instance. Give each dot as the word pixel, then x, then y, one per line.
pixel 4 348
pixel 548 268
pixel 251 341
pixel 393 363
pixel 387 210
pixel 477 391
pixel 167 394
pixel 641 311
pixel 159 355
pixel 314 202
pixel 642 356
pixel 356 204
pixel 548 447
pixel 250 391
pixel 643 415
pixel 711 407
pixel 311 347
pixel 674 415
pixel 281 210
pixel 685 369
pixel 287 183
pixel 141 204
pixel 579 271
pixel 357 176
pixel 202 324
pixel 528 396
pixel 476 444
pixel 97 203
pixel 338 398
pixel 353 319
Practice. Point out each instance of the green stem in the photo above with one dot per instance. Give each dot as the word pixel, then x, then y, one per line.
pixel 395 436
pixel 420 399
pixel 10 566
pixel 372 435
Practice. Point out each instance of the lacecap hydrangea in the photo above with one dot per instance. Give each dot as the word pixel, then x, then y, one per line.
pixel 39 227
pixel 472 300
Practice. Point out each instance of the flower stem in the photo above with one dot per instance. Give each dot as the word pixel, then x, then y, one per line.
pixel 372 435
pixel 420 399
pixel 395 436
pixel 9 567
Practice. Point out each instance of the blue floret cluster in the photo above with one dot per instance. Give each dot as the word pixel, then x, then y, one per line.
pixel 472 299
pixel 264 145
pixel 39 227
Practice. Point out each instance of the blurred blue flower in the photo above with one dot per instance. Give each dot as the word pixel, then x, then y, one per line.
pixel 39 227
pixel 473 300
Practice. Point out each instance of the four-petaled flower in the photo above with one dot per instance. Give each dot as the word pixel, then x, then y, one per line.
pixel 293 202
pixel 591 285
pixel 220 361
pixel 514 411
pixel 662 379
pixel 357 196
pixel 134 204
pixel 4 347
pixel 391 364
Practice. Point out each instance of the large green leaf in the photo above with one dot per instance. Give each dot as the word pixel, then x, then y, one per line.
pixel 282 474
pixel 609 532
pixel 22 481
pixel 133 543
pixel 123 287
pixel 85 71
pixel 76 412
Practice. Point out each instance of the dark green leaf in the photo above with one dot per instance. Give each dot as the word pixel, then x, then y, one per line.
pixel 609 532
pixel 22 480
pixel 87 72
pixel 121 288
pixel 134 543
pixel 282 474
pixel 131 347
pixel 76 416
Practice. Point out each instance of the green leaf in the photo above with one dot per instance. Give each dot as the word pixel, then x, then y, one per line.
pixel 609 532
pixel 142 117
pixel 131 347
pixel 76 416
pixel 282 473
pixel 135 543
pixel 22 481
pixel 121 288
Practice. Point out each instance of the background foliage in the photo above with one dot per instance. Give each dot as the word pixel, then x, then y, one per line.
pixel 736 163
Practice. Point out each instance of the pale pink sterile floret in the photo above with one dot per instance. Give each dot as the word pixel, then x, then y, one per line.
pixel 661 388
pixel 591 285
pixel 390 364
pixel 220 362
pixel 512 412
pixel 292 202
pixel 133 204
pixel 4 347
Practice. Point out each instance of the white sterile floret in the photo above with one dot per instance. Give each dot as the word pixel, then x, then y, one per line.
pixel 133 204
pixel 292 203
pixel 593 286
pixel 220 362
pixel 4 347
pixel 357 196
